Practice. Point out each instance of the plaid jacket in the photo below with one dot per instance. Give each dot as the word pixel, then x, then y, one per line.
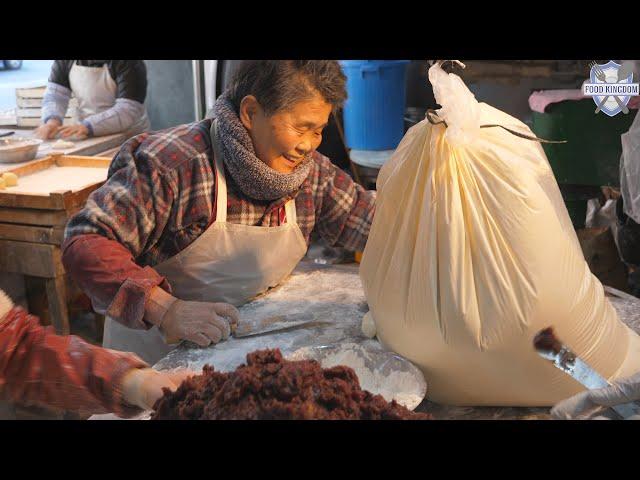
pixel 160 197
pixel 38 367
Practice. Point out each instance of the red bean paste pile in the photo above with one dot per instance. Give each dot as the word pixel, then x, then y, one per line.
pixel 269 387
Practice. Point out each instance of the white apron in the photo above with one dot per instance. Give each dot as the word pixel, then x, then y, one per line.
pixel 229 263
pixel 95 92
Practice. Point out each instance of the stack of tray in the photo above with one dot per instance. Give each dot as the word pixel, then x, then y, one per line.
pixel 29 107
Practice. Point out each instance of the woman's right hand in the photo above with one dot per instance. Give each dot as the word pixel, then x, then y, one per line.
pixel 48 130
pixel 202 323
pixel 621 391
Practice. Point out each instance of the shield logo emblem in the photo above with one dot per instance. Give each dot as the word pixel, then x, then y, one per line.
pixel 608 73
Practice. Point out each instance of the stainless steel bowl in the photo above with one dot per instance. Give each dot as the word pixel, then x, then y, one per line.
pixel 18 149
pixel 379 371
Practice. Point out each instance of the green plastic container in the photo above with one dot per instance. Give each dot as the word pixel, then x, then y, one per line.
pixel 577 207
pixel 591 158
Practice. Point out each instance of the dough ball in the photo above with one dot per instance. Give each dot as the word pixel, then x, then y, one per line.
pixel 368 325
pixel 10 179
pixel 2 183
pixel 62 145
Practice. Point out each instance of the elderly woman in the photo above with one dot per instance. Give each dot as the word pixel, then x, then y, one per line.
pixel 197 218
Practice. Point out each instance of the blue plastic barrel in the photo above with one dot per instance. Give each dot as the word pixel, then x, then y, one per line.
pixel 374 111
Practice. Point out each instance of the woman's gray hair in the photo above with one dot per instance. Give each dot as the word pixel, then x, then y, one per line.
pixel 279 84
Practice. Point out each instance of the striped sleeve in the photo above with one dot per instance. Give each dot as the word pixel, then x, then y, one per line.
pixel 55 102
pixel 119 118
pixel 38 367
pixel 345 210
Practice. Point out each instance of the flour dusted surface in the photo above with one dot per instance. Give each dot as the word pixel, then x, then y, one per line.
pixel 59 179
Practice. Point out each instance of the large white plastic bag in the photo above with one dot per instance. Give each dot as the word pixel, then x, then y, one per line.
pixel 630 170
pixel 472 252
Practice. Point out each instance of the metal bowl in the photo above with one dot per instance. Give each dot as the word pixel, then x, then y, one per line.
pixel 379 371
pixel 18 149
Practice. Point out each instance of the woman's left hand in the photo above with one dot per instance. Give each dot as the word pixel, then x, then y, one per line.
pixel 143 387
pixel 78 131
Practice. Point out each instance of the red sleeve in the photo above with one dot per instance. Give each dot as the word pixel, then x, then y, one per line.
pixel 106 271
pixel 38 367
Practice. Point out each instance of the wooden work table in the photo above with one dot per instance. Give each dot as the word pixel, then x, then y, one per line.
pixel 88 147
pixel 31 235
pixel 33 216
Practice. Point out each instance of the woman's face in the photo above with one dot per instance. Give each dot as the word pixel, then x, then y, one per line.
pixel 284 139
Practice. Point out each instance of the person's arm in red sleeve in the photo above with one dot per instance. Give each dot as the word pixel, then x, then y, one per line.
pixel 119 221
pixel 107 272
pixel 38 367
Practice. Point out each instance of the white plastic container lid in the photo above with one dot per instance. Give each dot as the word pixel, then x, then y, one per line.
pixel 370 158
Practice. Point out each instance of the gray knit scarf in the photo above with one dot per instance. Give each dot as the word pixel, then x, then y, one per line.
pixel 253 177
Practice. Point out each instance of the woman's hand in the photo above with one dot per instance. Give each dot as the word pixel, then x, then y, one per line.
pixel 585 403
pixel 202 323
pixel 48 130
pixel 78 131
pixel 142 387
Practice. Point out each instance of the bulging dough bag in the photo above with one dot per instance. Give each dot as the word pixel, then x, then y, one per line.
pixel 472 252
pixel 630 170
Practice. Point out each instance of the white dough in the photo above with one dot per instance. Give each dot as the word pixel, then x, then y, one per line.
pixel 62 145
pixel 368 325
pixel 399 386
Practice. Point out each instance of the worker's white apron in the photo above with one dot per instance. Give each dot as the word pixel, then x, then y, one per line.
pixel 95 92
pixel 229 263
